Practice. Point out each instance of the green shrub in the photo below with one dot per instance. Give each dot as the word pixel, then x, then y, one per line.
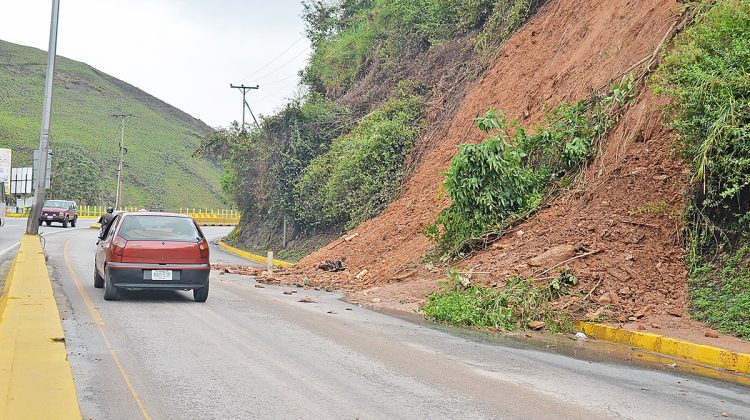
pixel 501 180
pixel 508 308
pixel 363 170
pixel 707 73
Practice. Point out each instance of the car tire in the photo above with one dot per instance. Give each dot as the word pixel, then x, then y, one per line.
pixel 73 222
pixel 65 223
pixel 98 280
pixel 201 294
pixel 46 223
pixel 110 291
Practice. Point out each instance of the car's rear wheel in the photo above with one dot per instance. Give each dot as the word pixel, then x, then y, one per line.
pixel 98 280
pixel 201 294
pixel 110 291
pixel 48 223
pixel 65 223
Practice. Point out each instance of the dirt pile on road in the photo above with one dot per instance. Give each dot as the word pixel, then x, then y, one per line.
pixel 625 211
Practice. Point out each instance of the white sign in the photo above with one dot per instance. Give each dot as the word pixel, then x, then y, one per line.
pixel 5 167
pixel 20 181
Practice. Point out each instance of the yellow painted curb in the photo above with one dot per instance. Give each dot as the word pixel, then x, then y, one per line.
pixel 250 256
pixel 217 221
pixel 95 226
pixel 35 378
pixel 707 355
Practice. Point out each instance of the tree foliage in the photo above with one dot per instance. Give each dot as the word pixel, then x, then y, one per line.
pixel 707 73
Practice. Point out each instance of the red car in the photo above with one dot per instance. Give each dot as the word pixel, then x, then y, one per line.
pixel 157 251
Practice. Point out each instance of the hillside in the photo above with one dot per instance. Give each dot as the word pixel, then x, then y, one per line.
pixel 619 228
pixel 160 169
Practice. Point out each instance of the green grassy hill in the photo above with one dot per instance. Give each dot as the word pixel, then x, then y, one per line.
pixel 160 168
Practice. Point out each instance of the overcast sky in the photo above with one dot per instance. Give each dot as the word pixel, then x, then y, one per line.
pixel 185 52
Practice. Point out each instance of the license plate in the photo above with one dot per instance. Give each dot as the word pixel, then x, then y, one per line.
pixel 161 274
pixel 49 217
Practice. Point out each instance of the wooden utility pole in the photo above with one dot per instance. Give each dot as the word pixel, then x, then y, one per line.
pixel 244 90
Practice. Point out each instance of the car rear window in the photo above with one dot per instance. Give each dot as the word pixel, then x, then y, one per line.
pixel 159 228
pixel 57 204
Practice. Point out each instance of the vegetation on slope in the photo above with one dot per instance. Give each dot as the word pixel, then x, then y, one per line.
pixel 497 183
pixel 338 154
pixel 160 170
pixel 707 73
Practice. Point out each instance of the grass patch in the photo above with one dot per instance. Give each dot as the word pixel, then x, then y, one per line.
pixel 720 294
pixel 506 308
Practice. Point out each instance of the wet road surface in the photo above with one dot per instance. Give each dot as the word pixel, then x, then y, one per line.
pixel 257 353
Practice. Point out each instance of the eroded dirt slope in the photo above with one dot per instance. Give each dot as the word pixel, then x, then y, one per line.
pixel 568 50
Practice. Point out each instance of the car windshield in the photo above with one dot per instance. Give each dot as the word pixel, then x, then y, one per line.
pixel 158 228
pixel 57 204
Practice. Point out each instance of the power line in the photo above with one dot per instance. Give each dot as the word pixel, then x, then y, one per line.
pixel 283 65
pixel 274 59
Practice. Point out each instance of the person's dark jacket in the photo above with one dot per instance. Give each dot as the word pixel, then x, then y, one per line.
pixel 105 219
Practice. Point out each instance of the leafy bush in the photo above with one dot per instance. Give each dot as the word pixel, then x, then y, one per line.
pixel 363 170
pixel 508 308
pixel 707 73
pixel 497 182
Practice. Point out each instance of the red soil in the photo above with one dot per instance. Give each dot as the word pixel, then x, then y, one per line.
pixel 627 204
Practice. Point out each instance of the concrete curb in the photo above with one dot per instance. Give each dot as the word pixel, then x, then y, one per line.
pixel 36 381
pixel 250 256
pixel 707 355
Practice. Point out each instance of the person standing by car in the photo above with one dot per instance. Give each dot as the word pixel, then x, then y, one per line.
pixel 106 218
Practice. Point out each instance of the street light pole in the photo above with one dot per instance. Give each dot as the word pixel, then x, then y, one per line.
pixel 118 193
pixel 32 223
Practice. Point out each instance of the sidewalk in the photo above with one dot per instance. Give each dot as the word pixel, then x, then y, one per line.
pixel 35 378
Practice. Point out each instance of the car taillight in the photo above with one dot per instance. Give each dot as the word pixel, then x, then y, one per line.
pixel 203 246
pixel 118 245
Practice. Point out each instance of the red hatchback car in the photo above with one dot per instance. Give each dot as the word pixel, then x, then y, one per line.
pixel 157 251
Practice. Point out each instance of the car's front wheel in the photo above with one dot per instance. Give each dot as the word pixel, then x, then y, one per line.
pixel 48 223
pixel 73 222
pixel 65 223
pixel 110 291
pixel 98 280
pixel 201 294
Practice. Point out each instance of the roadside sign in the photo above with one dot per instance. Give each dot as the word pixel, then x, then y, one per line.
pixel 5 167
pixel 21 181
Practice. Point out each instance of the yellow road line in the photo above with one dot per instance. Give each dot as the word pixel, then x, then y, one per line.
pixel 100 326
pixel 707 355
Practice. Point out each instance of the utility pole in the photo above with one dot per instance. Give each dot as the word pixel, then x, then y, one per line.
pixel 244 90
pixel 32 223
pixel 123 151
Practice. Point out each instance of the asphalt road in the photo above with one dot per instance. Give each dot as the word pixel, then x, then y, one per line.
pixel 257 353
pixel 10 235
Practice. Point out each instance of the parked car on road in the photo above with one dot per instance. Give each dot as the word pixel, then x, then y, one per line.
pixel 59 211
pixel 156 251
